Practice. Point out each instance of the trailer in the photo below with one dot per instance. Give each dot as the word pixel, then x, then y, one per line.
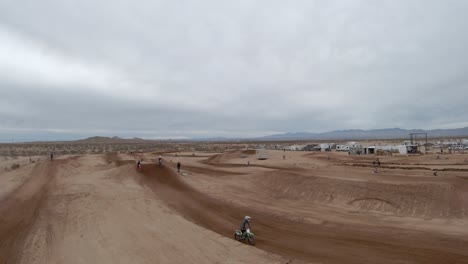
pixel 262 154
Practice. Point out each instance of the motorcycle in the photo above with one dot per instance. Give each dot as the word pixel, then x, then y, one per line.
pixel 249 236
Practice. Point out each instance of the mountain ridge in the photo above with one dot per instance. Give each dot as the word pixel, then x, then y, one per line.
pixel 349 134
pixel 385 133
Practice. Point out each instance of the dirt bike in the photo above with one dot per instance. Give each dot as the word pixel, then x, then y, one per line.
pixel 249 236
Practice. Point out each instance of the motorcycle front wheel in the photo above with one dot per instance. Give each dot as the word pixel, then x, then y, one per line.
pixel 237 237
pixel 251 240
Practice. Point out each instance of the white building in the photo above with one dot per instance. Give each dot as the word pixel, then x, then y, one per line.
pixel 408 148
pixel 297 147
pixel 387 148
pixel 348 146
pixel 325 147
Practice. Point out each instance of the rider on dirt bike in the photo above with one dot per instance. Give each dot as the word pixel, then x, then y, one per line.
pixel 160 161
pixel 245 234
pixel 245 221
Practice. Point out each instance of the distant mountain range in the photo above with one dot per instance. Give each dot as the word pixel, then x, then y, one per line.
pixel 389 133
pixel 351 134
pixel 111 140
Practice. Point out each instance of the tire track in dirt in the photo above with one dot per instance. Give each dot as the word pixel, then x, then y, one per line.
pixel 328 242
pixel 404 167
pixel 211 172
pixel 19 210
pixel 217 160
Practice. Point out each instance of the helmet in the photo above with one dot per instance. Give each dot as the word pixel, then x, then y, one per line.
pixel 247 218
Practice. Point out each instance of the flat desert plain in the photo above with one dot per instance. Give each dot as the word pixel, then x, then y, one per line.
pixel 306 207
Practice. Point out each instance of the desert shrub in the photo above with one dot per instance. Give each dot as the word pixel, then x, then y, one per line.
pixel 15 166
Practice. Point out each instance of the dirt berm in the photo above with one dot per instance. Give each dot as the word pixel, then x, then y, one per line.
pixel 328 243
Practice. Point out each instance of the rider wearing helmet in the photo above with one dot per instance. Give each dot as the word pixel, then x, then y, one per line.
pixel 245 222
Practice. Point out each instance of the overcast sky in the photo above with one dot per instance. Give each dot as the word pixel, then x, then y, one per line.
pixel 178 69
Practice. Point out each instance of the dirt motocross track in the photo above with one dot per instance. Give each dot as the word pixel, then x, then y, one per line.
pixel 318 208
pixel 19 210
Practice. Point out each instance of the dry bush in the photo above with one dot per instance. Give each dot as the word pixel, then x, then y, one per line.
pixel 15 166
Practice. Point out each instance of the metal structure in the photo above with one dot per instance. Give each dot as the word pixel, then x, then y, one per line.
pixel 415 139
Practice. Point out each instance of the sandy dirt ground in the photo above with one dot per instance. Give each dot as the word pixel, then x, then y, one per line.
pixel 305 207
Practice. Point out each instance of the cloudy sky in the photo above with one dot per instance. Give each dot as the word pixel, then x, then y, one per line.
pixel 181 69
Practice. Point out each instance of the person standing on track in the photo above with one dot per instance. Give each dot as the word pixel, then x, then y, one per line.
pixel 178 167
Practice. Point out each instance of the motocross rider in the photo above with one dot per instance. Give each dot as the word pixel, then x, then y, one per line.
pixel 245 222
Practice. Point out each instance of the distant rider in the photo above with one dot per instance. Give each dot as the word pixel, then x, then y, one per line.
pixel 139 164
pixel 160 161
pixel 245 222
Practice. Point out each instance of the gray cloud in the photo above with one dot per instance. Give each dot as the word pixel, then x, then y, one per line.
pixel 230 68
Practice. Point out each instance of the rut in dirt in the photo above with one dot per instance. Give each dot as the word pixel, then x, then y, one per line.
pixel 19 210
pixel 329 243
